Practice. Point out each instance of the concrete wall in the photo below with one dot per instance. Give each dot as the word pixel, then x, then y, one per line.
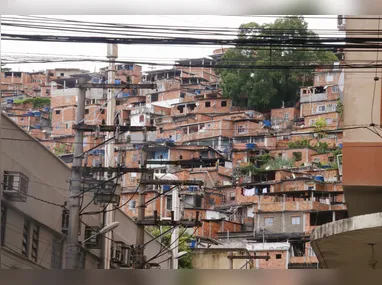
pixel 282 222
pixel 216 258
pixel 47 176
pixel 362 148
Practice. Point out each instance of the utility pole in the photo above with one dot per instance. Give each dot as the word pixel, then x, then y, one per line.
pixel 75 184
pixel 1 189
pixel 139 251
pixel 175 233
pixel 112 54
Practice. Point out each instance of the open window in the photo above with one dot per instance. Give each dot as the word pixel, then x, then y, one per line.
pixel 180 108
pixel 297 248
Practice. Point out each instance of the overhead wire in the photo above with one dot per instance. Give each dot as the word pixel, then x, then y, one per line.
pixel 36 198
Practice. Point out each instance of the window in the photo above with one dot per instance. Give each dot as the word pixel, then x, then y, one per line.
pixel 329 121
pixel 331 159
pixel 278 256
pixel 232 196
pixel 58 112
pixel 208 104
pixel 56 253
pixel 321 109
pixel 3 223
pixel 297 249
pixel 15 186
pixel 241 129
pixel 86 111
pixel 132 204
pixel 154 97
pixel 312 122
pixel 67 126
pixel 141 118
pixel 169 203
pixel 335 89
pixel 161 130
pixel 296 220
pixel 193 129
pixel 25 242
pixel 224 103
pixel 102 111
pixel 35 239
pixel 268 221
pixel 286 116
pixel 62 74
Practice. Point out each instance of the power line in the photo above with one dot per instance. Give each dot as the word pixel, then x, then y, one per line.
pixel 36 198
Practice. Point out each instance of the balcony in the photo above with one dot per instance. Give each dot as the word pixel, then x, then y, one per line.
pixel 15 186
pixel 313 97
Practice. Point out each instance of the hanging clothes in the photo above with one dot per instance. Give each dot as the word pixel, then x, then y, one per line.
pixel 249 192
pixel 257 190
pixel 265 190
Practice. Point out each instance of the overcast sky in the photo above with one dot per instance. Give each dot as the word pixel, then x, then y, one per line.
pixel 138 52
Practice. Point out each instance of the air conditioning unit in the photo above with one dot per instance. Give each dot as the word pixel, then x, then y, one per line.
pixel 65 221
pixel 95 241
pixel 100 199
pixel 120 253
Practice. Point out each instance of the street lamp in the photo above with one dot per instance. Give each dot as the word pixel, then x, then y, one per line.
pixel 104 230
pixel 181 254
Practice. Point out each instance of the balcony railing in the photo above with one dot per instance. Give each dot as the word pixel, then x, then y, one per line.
pixel 313 97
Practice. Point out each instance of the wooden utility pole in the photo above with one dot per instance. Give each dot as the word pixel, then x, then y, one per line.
pixel 72 252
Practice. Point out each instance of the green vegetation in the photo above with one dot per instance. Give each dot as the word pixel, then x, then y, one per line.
pixel 319 127
pixel 36 102
pixel 272 164
pixel 5 69
pixel 299 144
pixel 340 109
pixel 336 152
pixel 59 149
pixel 185 262
pixel 320 147
pixel 264 87
pixel 297 156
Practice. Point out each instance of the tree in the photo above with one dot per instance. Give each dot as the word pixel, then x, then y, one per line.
pixel 5 69
pixel 185 262
pixel 265 88
pixel 59 149
pixel 319 127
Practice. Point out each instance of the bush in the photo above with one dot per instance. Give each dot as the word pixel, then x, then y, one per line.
pixel 36 102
